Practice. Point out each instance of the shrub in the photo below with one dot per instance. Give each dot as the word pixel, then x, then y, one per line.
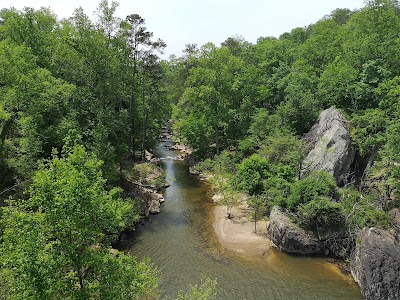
pixel 361 212
pixel 250 174
pixel 317 184
pixel 321 214
pixel 277 191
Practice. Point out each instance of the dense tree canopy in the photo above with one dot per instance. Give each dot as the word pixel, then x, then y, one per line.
pixel 245 106
pixel 56 243
pixel 269 94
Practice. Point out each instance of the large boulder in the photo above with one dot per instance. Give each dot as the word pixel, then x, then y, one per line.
pixel 375 264
pixel 289 237
pixel 154 207
pixel 332 150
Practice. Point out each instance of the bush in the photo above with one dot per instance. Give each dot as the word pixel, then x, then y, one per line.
pixel 277 191
pixel 317 184
pixel 321 214
pixel 250 174
pixel 285 172
pixel 361 212
pixel 246 147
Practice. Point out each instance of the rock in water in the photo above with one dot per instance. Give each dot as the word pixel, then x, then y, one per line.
pixel 375 264
pixel 289 237
pixel 332 148
pixel 154 206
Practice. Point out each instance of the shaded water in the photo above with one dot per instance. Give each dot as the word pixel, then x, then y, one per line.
pixel 181 243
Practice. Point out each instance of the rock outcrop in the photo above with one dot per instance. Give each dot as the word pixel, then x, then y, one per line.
pixel 289 237
pixel 332 148
pixel 153 199
pixel 375 264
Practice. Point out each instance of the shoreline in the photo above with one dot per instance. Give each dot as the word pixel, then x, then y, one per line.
pixel 237 234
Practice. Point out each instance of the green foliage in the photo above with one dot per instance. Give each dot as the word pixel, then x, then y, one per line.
pixel 147 174
pixel 57 242
pixel 300 109
pixel 370 130
pixel 317 184
pixel 74 75
pixel 209 110
pixel 321 214
pixel 250 174
pixel 260 208
pixel 285 152
pixel 277 190
pixel 207 290
pixel 336 84
pixel 360 211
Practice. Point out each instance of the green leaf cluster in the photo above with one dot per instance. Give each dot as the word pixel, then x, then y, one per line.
pixel 251 173
pixel 57 242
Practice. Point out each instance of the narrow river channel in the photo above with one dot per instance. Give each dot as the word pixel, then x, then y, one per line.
pixel 181 243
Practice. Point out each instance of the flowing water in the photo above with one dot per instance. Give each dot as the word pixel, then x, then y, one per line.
pixel 181 243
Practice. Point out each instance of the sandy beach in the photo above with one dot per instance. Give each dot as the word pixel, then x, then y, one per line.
pixel 238 235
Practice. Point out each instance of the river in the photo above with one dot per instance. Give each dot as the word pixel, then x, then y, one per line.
pixel 181 243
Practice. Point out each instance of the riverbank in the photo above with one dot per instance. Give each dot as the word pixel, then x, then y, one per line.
pixel 237 234
pixel 181 241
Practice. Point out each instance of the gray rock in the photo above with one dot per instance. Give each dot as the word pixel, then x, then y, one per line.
pixel 154 206
pixel 375 264
pixel 332 148
pixel 289 237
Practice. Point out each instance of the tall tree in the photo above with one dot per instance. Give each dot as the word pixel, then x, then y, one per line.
pixel 140 41
pixel 55 244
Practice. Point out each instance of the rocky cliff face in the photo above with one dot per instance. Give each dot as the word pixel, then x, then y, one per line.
pixel 332 149
pixel 375 264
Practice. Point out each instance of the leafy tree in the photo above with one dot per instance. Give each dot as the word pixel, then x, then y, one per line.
pixel 276 191
pixel 237 45
pixel 250 174
pixel 340 15
pixel 360 211
pixel 228 197
pixel 140 41
pixel 337 84
pixel 317 184
pixel 258 204
pixel 299 111
pixel 370 130
pixel 56 242
pixel 210 101
pixel 321 214
pixel 321 47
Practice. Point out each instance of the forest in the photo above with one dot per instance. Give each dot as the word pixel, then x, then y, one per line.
pixel 246 108
pixel 83 100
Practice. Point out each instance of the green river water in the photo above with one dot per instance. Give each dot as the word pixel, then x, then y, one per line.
pixel 181 243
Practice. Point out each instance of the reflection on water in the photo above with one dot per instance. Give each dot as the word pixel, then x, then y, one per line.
pixel 181 243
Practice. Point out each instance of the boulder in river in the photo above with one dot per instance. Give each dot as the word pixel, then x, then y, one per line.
pixel 155 199
pixel 154 206
pixel 332 148
pixel 375 264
